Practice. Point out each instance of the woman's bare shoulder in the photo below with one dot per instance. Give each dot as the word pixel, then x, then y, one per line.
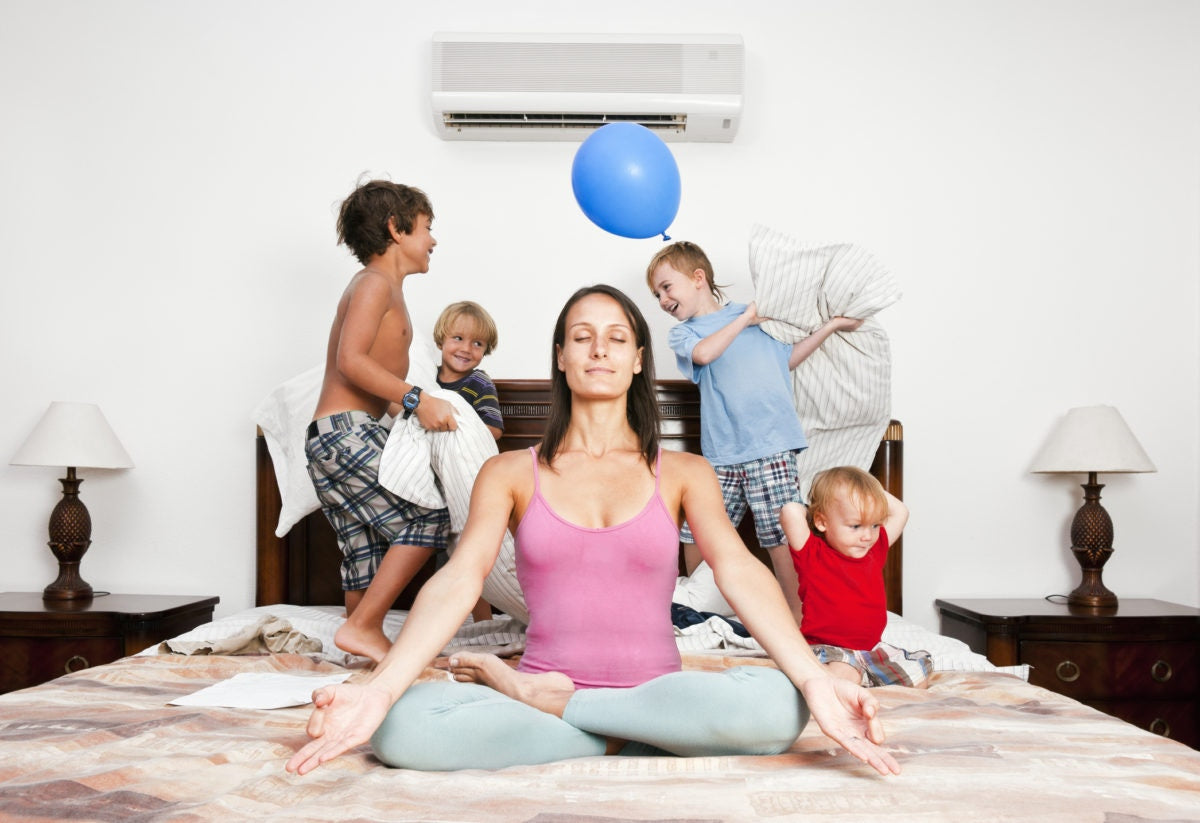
pixel 683 459
pixel 685 464
pixel 508 472
pixel 508 461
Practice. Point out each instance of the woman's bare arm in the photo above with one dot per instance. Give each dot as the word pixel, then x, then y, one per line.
pixel 346 715
pixel 846 712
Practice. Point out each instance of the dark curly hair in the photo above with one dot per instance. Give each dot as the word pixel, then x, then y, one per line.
pixel 362 223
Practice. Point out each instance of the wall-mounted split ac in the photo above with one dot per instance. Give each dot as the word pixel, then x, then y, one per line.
pixel 562 86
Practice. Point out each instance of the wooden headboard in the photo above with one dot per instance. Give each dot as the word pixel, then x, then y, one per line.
pixel 302 567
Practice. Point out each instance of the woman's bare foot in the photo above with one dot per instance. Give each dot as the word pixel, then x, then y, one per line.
pixel 547 692
pixel 371 643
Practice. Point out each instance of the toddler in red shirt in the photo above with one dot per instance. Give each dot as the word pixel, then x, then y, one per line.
pixel 839 545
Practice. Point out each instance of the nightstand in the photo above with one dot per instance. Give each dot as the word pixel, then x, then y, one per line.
pixel 1138 662
pixel 40 641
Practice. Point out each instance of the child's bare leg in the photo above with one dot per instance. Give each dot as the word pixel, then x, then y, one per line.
pixel 844 671
pixel 482 611
pixel 547 692
pixel 785 573
pixel 362 633
pixel 353 598
pixel 691 557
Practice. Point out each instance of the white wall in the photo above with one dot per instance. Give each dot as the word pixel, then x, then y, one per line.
pixel 1029 170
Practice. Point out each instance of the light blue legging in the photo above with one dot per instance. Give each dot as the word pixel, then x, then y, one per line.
pixel 444 725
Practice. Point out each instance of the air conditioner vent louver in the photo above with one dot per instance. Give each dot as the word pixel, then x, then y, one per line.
pixel 541 120
pixel 558 87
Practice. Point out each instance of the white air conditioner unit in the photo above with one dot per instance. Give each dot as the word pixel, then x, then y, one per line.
pixel 563 86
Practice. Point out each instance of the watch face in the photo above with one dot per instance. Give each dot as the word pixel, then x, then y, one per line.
pixel 410 401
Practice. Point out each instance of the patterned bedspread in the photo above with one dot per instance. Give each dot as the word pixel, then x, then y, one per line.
pixel 103 745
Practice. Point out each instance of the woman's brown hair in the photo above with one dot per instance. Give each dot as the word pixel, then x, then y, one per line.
pixel 641 402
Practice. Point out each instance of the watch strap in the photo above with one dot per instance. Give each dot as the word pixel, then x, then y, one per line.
pixel 415 394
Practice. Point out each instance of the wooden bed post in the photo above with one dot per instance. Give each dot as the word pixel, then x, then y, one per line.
pixel 888 467
pixel 270 583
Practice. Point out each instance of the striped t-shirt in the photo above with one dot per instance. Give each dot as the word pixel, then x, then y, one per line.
pixel 480 392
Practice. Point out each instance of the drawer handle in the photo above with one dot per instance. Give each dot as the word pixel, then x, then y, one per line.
pixel 75 664
pixel 1160 726
pixel 1161 671
pixel 1067 671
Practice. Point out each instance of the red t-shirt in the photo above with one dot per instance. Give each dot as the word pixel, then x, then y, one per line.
pixel 844 600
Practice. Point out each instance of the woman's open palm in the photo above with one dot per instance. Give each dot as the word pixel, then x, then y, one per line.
pixel 344 716
pixel 848 714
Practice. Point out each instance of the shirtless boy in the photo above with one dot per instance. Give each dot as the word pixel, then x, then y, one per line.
pixel 385 539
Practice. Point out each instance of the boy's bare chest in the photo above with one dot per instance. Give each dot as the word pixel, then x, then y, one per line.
pixel 394 339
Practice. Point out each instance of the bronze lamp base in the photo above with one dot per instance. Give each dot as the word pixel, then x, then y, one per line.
pixel 1091 542
pixel 70 536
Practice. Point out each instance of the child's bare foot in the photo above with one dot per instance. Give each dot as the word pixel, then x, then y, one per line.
pixel 844 670
pixel 547 692
pixel 371 643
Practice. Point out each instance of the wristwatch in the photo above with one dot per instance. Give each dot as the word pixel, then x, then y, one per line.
pixel 411 401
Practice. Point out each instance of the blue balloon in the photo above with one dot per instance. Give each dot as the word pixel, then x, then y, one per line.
pixel 626 181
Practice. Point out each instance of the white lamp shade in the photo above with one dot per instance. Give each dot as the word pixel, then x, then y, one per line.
pixel 73 434
pixel 1092 439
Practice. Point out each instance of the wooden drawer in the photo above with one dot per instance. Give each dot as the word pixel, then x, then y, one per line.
pixel 1091 671
pixel 1177 720
pixel 25 661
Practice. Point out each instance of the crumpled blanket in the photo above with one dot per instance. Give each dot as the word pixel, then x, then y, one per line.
pixel 503 636
pixel 843 390
pixel 270 634
pixel 684 616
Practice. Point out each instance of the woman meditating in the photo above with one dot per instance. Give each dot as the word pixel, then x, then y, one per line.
pixel 595 512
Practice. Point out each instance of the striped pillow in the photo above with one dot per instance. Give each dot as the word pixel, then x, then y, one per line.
pixel 843 390
pixel 412 458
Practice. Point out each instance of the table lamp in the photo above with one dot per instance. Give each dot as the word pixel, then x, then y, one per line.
pixel 71 435
pixel 1090 440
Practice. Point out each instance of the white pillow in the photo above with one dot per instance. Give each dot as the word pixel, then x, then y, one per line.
pixel 423 361
pixel 406 466
pixel 842 392
pixel 949 655
pixel 284 416
pixel 413 457
pixel 802 285
pixel 699 591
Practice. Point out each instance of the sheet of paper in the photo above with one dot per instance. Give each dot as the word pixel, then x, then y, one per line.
pixel 260 690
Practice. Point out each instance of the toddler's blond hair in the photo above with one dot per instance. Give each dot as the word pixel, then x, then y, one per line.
pixel 847 482
pixel 485 326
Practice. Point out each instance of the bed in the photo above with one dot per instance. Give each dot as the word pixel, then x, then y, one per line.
pixel 104 743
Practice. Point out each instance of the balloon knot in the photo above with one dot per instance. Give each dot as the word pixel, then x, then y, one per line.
pixel 666 237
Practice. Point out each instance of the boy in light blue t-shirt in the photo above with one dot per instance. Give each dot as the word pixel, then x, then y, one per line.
pixel 749 430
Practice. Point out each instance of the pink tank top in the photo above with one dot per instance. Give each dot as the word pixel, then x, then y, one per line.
pixel 599 599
